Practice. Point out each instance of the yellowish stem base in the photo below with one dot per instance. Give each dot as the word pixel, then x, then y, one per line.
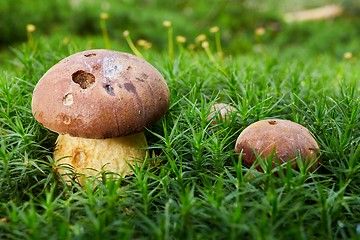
pixel 89 157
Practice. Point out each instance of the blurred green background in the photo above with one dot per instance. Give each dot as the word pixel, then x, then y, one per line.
pixel 237 20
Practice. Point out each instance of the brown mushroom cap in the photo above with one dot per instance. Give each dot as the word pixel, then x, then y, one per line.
pixel 100 94
pixel 283 138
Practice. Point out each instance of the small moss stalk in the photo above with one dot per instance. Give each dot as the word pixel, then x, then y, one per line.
pixel 170 32
pixel 216 31
pixel 103 18
pixel 131 44
pixel 30 28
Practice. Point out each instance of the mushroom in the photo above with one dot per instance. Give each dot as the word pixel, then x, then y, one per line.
pixel 100 102
pixel 219 112
pixel 283 140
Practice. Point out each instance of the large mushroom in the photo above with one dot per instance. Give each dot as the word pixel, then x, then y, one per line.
pixel 283 140
pixel 100 102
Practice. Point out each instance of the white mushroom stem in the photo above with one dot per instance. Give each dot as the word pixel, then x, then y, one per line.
pixel 88 157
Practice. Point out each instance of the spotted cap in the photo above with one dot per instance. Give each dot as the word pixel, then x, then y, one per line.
pixel 100 94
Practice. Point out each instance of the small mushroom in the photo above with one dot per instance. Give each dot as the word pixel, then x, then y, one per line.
pixel 283 140
pixel 100 102
pixel 220 112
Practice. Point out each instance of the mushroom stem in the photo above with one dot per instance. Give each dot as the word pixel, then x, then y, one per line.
pixel 88 157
